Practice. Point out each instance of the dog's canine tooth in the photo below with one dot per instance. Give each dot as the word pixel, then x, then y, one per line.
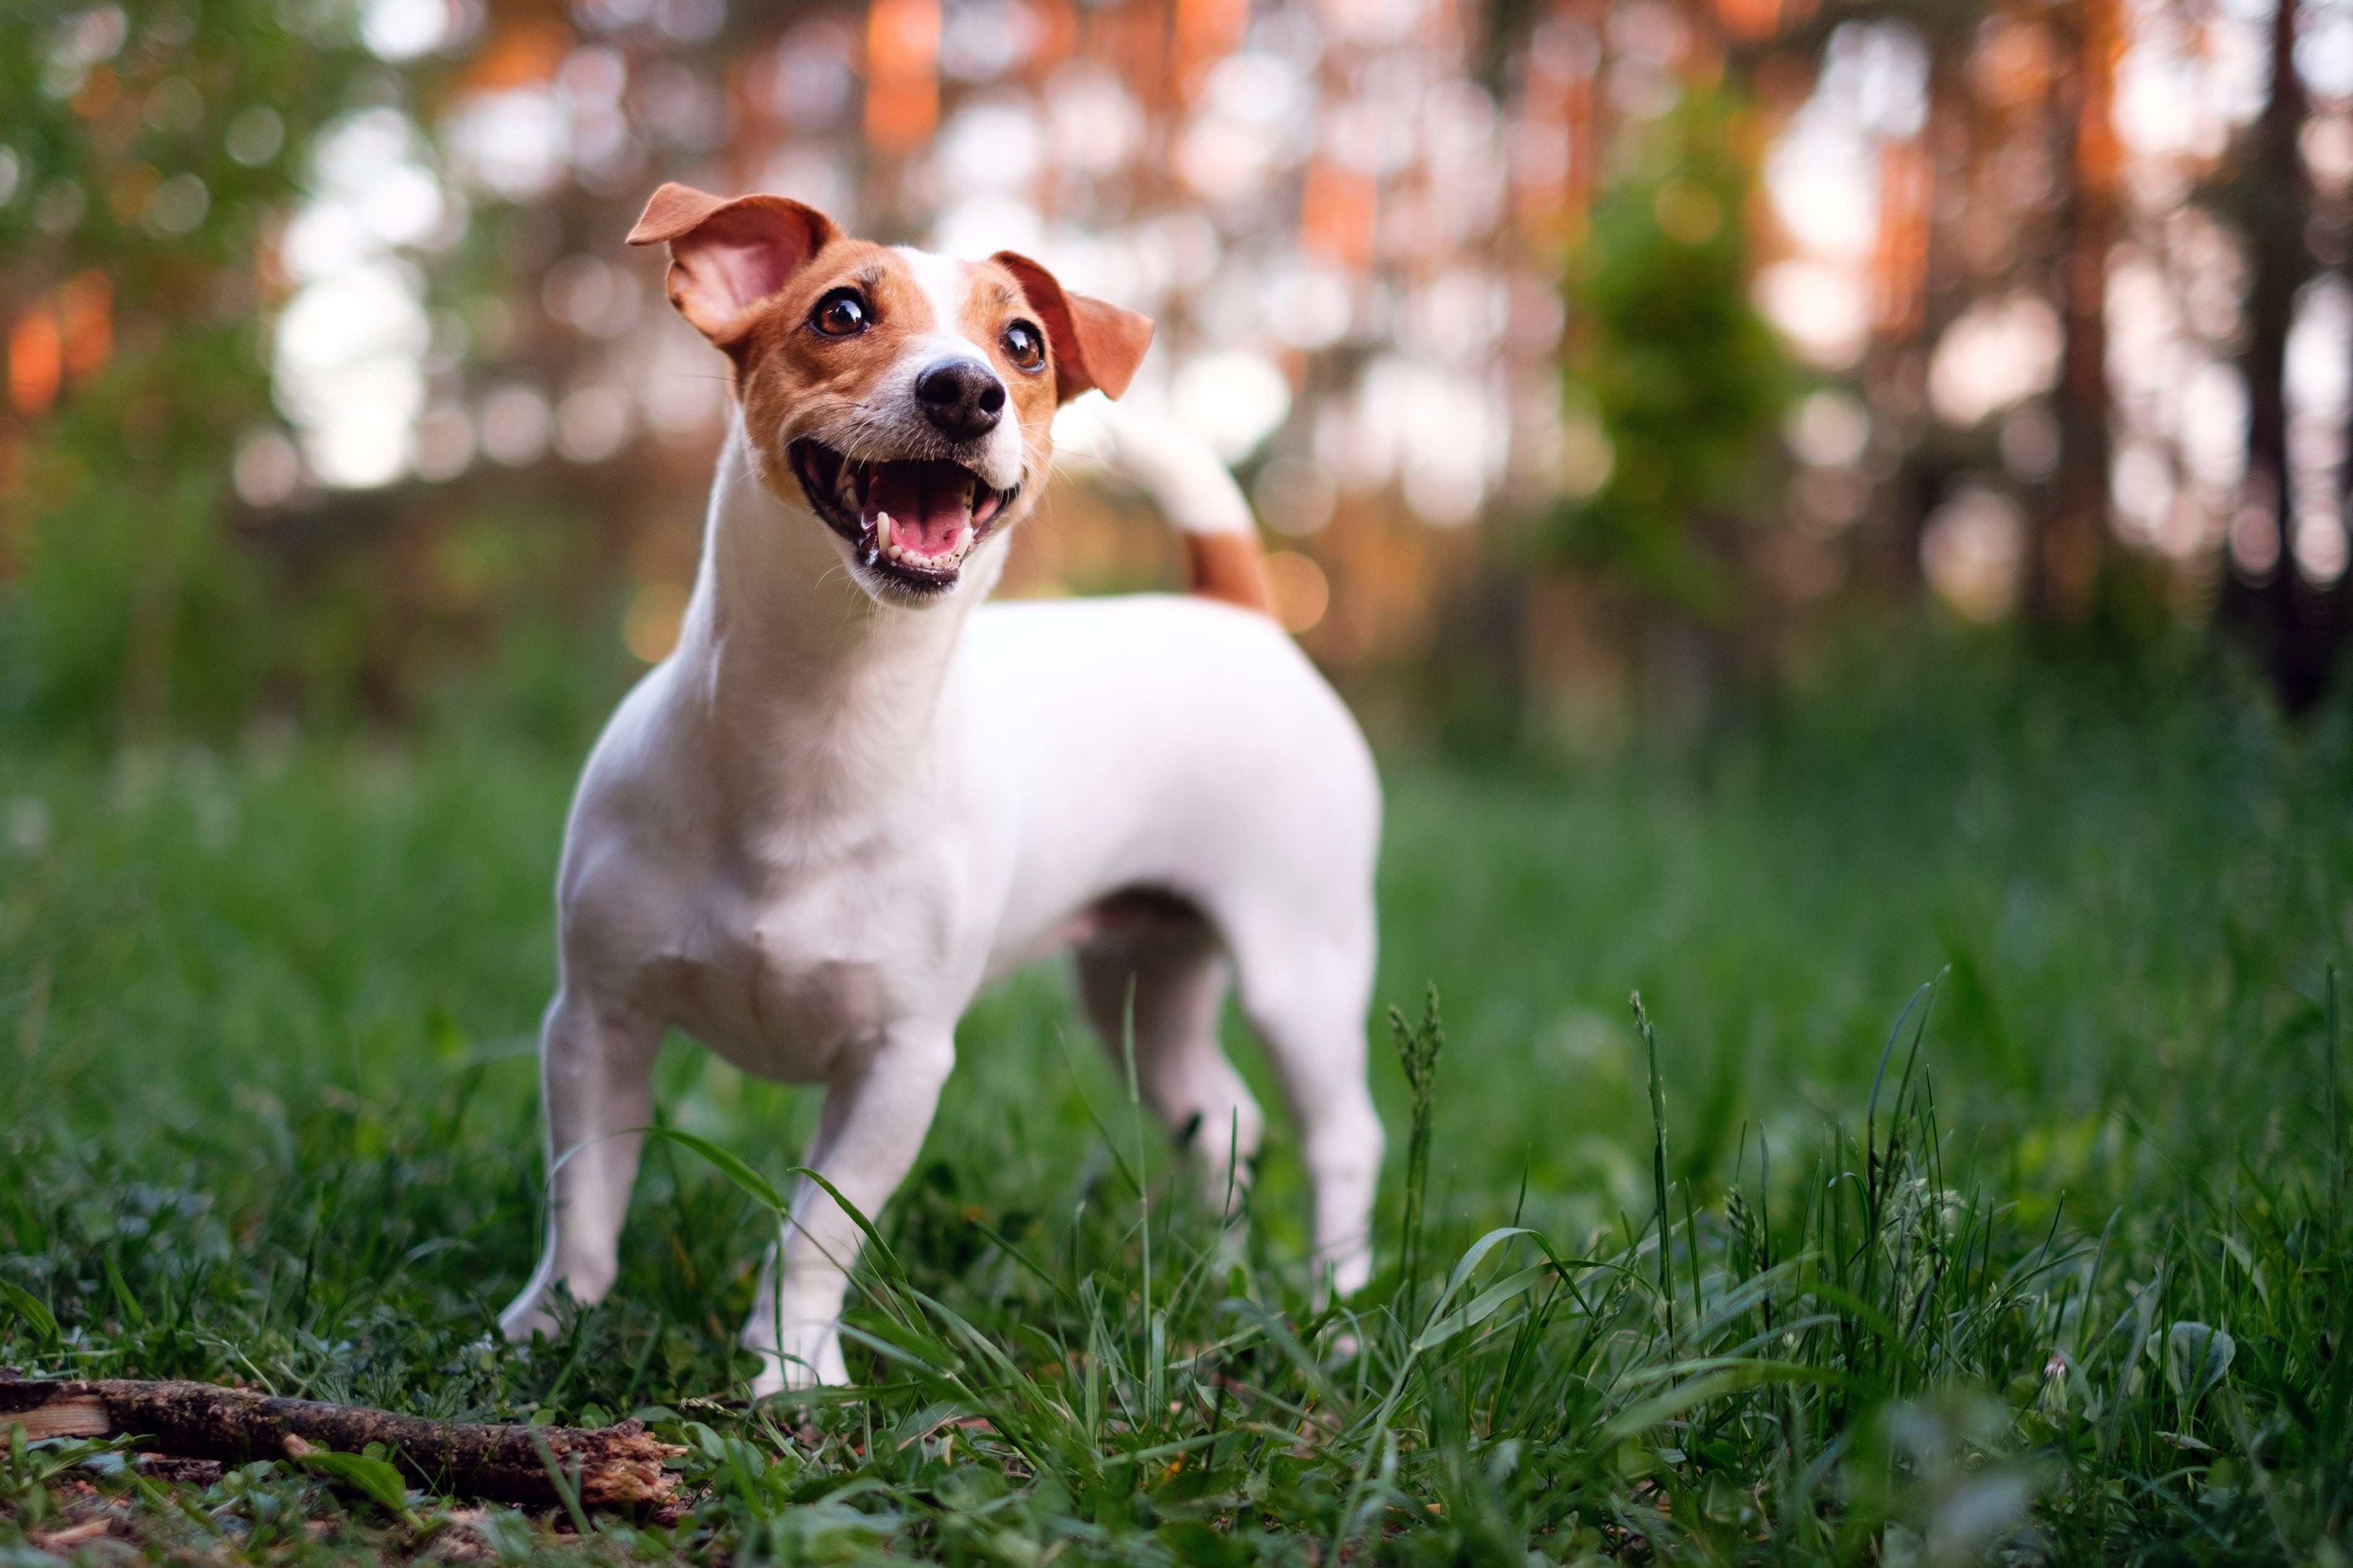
pixel 882 532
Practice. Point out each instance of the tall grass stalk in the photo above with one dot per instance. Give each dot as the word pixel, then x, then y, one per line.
pixel 2333 1090
pixel 1659 1161
pixel 1418 1047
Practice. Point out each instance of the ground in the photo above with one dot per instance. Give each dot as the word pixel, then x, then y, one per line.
pixel 2065 1287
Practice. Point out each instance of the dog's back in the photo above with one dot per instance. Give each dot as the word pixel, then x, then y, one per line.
pixel 1175 742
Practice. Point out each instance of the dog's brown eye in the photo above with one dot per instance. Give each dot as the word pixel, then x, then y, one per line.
pixel 1025 345
pixel 840 315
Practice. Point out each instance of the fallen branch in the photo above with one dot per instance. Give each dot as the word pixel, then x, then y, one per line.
pixel 613 1466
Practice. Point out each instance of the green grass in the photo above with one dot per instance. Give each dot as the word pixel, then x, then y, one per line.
pixel 268 1115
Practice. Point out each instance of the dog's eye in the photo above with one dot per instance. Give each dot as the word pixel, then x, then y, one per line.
pixel 1025 345
pixel 841 314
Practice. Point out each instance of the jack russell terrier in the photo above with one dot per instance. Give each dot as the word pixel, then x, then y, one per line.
pixel 855 793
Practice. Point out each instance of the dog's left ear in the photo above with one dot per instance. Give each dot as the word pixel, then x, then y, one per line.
pixel 726 256
pixel 1095 344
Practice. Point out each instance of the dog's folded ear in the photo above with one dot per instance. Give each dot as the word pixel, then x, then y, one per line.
pixel 727 255
pixel 1095 344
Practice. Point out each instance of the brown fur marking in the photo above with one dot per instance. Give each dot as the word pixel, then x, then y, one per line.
pixel 1228 566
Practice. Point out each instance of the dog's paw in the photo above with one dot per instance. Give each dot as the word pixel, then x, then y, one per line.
pixel 819 1365
pixel 1350 1272
pixel 769 1381
pixel 525 1316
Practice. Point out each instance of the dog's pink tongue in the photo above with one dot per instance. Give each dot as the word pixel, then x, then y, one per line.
pixel 928 502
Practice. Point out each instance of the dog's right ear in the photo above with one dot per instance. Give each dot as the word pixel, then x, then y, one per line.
pixel 726 256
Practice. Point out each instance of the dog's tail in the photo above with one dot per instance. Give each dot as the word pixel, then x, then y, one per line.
pixel 1198 497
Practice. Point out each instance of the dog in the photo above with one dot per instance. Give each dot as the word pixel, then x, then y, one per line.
pixel 855 793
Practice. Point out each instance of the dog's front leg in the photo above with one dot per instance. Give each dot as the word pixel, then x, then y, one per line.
pixel 866 1139
pixel 595 1063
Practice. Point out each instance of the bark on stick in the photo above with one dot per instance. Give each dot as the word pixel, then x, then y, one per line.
pixel 613 1466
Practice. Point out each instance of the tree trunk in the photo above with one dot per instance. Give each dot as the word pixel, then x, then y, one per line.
pixel 2066 569
pixel 2294 627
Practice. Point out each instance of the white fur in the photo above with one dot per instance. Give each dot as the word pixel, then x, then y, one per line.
pixel 1193 488
pixel 816 830
pixel 943 284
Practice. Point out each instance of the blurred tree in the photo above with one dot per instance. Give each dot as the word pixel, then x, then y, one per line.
pixel 2295 626
pixel 1666 352
pixel 147 152
pixel 2063 568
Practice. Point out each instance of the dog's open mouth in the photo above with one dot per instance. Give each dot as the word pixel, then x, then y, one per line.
pixel 913 520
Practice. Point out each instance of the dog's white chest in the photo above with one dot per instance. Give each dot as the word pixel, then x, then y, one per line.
pixel 798 979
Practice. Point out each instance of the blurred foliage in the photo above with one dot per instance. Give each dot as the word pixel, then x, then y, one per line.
pixel 1667 356
pixel 154 146
pixel 153 153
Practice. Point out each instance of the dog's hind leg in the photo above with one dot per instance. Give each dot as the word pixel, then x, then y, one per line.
pixel 596 1059
pixel 868 1136
pixel 1158 962
pixel 1306 990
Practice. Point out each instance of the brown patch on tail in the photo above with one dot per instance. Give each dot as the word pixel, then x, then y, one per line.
pixel 1228 566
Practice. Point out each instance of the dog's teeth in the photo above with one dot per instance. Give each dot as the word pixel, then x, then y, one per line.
pixel 882 532
pixel 896 552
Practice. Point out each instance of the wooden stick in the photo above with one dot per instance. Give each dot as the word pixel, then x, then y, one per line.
pixel 614 1466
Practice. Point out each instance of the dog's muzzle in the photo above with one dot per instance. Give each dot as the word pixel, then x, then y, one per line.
pixel 911 520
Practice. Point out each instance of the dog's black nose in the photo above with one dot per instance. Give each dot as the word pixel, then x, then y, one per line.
pixel 963 399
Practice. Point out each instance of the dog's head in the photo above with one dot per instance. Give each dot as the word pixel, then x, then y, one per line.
pixel 906 398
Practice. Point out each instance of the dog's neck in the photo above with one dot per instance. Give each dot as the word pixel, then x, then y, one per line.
pixel 815 694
